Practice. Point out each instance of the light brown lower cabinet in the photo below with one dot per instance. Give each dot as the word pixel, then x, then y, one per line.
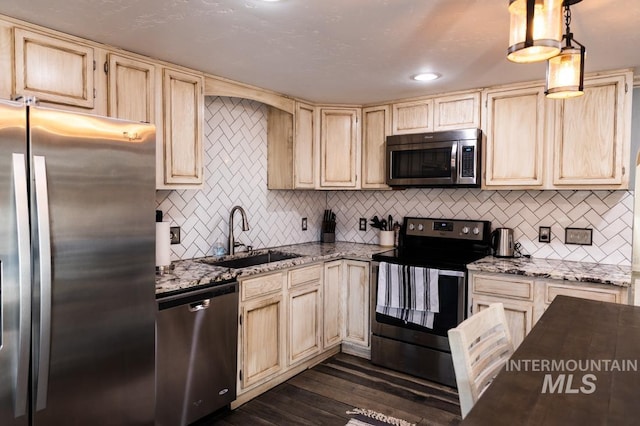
pixel 356 319
pixel 262 332
pixel 304 321
pixel 525 299
pixel 519 315
pixel 304 312
pixel 332 303
pixel 293 319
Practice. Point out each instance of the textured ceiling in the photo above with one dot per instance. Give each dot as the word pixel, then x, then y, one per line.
pixel 342 51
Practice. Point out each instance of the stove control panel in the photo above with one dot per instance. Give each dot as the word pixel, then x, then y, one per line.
pixel 446 228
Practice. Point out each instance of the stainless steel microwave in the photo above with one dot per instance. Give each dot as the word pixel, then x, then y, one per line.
pixel 439 159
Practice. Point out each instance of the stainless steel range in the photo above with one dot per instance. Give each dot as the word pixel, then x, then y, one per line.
pixel 439 249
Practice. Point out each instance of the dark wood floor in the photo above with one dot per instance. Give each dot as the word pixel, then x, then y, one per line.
pixel 323 395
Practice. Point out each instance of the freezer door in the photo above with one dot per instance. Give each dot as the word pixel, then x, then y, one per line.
pixel 15 278
pixel 93 212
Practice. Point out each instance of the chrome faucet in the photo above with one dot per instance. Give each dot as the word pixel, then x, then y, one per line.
pixel 245 227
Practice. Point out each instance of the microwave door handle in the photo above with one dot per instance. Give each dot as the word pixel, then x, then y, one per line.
pixel 454 162
pixel 44 242
pixel 24 283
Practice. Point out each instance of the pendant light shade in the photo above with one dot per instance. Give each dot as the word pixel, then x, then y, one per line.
pixel 535 30
pixel 565 72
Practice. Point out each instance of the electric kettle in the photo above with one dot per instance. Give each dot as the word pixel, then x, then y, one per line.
pixel 502 242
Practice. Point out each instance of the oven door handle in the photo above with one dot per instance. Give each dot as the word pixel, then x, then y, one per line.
pixel 448 273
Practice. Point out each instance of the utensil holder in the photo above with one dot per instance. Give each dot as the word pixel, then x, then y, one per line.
pixel 387 238
pixel 328 237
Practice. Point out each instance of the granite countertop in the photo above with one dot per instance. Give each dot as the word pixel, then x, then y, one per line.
pixel 585 272
pixel 193 273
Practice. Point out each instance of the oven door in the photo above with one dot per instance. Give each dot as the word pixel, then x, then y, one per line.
pixel 452 295
pixel 422 164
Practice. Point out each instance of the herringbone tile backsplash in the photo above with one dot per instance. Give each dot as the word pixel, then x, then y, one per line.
pixel 236 173
pixel 609 213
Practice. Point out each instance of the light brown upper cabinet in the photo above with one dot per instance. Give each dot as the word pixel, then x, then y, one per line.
pixel 577 143
pixel 515 133
pixel 131 89
pixel 53 70
pixel 457 111
pixel 413 117
pixel 290 148
pixel 592 135
pixel 376 125
pixel 6 60
pixel 303 147
pixel 339 148
pixel 279 149
pixel 183 108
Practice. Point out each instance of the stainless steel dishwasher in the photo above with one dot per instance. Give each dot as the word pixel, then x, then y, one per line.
pixel 196 353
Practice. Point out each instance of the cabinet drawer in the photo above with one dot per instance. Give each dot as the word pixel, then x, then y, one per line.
pixel 260 286
pixel 497 286
pixel 305 275
pixel 600 294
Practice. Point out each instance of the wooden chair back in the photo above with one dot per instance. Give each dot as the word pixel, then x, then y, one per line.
pixel 480 347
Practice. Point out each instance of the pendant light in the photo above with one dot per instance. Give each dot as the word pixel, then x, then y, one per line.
pixel 535 30
pixel 565 72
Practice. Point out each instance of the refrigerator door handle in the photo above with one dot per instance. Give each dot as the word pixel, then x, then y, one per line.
pixel 24 283
pixel 44 243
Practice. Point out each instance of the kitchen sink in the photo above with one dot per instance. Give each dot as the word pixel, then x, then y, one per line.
pixel 252 259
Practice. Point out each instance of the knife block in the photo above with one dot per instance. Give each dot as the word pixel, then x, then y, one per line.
pixel 328 237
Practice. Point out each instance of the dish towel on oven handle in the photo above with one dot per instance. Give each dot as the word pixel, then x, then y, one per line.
pixel 409 293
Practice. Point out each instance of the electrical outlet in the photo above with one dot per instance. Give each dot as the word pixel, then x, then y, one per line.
pixel 581 236
pixel 304 223
pixel 175 234
pixel 544 234
pixel 363 223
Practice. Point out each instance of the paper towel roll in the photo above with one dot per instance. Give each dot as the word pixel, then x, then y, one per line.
pixel 163 243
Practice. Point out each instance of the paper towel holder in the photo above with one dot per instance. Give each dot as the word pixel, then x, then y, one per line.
pixel 163 240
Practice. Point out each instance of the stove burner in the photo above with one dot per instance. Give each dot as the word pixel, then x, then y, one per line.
pixel 440 243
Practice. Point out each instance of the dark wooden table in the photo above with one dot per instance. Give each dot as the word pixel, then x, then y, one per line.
pixel 582 336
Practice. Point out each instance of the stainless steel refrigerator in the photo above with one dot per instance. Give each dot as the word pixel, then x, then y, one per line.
pixel 77 262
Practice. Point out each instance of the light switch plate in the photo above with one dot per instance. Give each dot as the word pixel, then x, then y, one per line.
pixel 363 223
pixel 304 223
pixel 544 234
pixel 175 234
pixel 581 236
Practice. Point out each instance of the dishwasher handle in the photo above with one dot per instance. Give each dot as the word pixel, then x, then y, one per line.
pixel 199 299
pixel 199 306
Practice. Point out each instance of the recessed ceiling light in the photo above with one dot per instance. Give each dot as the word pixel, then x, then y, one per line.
pixel 426 76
